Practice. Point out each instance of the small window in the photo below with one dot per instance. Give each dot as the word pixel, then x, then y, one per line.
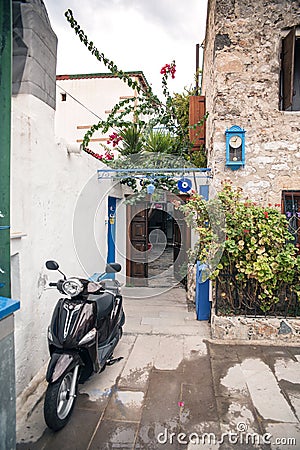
pixel 63 97
pixel 291 209
pixel 290 71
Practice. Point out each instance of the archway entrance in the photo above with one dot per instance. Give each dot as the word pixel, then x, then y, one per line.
pixel 157 241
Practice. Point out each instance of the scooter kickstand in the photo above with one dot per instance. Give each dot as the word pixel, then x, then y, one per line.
pixel 112 361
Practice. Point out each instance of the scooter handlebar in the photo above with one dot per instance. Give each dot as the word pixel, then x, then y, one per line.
pixel 53 284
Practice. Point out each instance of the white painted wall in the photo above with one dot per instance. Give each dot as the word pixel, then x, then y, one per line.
pixel 58 212
pixel 86 99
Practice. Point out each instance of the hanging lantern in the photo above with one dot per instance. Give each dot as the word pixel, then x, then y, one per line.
pixel 150 188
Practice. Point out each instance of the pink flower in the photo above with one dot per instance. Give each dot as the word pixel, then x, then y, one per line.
pixel 165 69
pixel 95 155
pixel 246 231
pixel 173 70
pixel 266 214
pixel 169 68
pixel 114 139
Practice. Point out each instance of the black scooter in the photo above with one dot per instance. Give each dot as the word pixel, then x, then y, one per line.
pixel 82 336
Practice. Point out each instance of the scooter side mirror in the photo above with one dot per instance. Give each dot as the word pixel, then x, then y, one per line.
pixel 52 265
pixel 113 268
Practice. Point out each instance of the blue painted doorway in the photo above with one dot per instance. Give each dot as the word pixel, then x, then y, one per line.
pixel 111 232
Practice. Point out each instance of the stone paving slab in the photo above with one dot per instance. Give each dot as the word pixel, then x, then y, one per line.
pixel 161 410
pixel 76 435
pixel 100 385
pixel 188 330
pixel 194 346
pixel 287 436
pixel 195 395
pixel 113 434
pixel 125 406
pixel 166 359
pixel 174 379
pixel 137 368
pixel 265 392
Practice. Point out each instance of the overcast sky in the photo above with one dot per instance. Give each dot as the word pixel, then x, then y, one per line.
pixel 135 34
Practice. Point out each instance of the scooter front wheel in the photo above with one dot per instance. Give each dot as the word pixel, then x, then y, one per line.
pixel 59 401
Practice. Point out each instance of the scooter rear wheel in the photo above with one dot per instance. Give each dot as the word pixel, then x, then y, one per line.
pixel 59 404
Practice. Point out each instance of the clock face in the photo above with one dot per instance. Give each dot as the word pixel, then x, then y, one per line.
pixel 235 141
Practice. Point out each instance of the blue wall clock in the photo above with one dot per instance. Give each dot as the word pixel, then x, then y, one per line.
pixel 235 147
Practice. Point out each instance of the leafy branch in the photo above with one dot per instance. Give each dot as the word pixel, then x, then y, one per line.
pixel 143 104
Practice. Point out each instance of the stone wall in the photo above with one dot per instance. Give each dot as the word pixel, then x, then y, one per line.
pixel 191 283
pixel 255 328
pixel 241 82
pixel 7 385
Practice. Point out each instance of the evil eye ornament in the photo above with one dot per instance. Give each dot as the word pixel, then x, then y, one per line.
pixel 184 185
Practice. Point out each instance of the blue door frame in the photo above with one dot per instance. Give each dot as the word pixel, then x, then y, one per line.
pixel 111 233
pixel 203 305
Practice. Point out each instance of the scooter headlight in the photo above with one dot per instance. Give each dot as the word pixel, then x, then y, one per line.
pixel 72 287
pixel 88 337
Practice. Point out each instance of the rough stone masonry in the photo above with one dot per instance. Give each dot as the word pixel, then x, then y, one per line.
pixel 241 82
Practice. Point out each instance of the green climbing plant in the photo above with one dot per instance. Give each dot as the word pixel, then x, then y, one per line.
pixel 257 251
pixel 134 119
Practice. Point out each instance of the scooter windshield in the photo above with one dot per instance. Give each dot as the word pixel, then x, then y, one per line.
pixel 93 288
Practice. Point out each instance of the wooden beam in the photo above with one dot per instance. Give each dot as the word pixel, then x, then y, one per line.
pixel 94 140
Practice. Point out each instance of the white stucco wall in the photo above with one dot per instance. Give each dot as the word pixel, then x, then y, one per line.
pixel 87 98
pixel 59 206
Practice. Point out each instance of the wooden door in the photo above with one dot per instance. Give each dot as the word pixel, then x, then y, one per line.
pixel 137 244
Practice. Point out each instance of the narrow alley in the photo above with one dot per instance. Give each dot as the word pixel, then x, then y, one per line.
pixel 174 379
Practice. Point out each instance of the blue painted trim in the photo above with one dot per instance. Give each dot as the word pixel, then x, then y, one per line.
pixel 157 173
pixel 8 306
pixel 203 305
pixel 138 170
pixel 111 233
pixel 237 131
pixel 204 191
pixel 98 276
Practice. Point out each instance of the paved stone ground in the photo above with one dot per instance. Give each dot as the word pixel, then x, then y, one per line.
pixel 160 266
pixel 174 379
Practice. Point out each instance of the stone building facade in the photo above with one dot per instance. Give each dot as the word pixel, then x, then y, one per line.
pixel 251 78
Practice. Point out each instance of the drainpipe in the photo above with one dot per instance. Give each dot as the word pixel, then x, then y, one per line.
pixel 197 69
pixel 5 127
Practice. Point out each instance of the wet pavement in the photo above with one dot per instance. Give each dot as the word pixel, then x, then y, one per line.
pixel 177 389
